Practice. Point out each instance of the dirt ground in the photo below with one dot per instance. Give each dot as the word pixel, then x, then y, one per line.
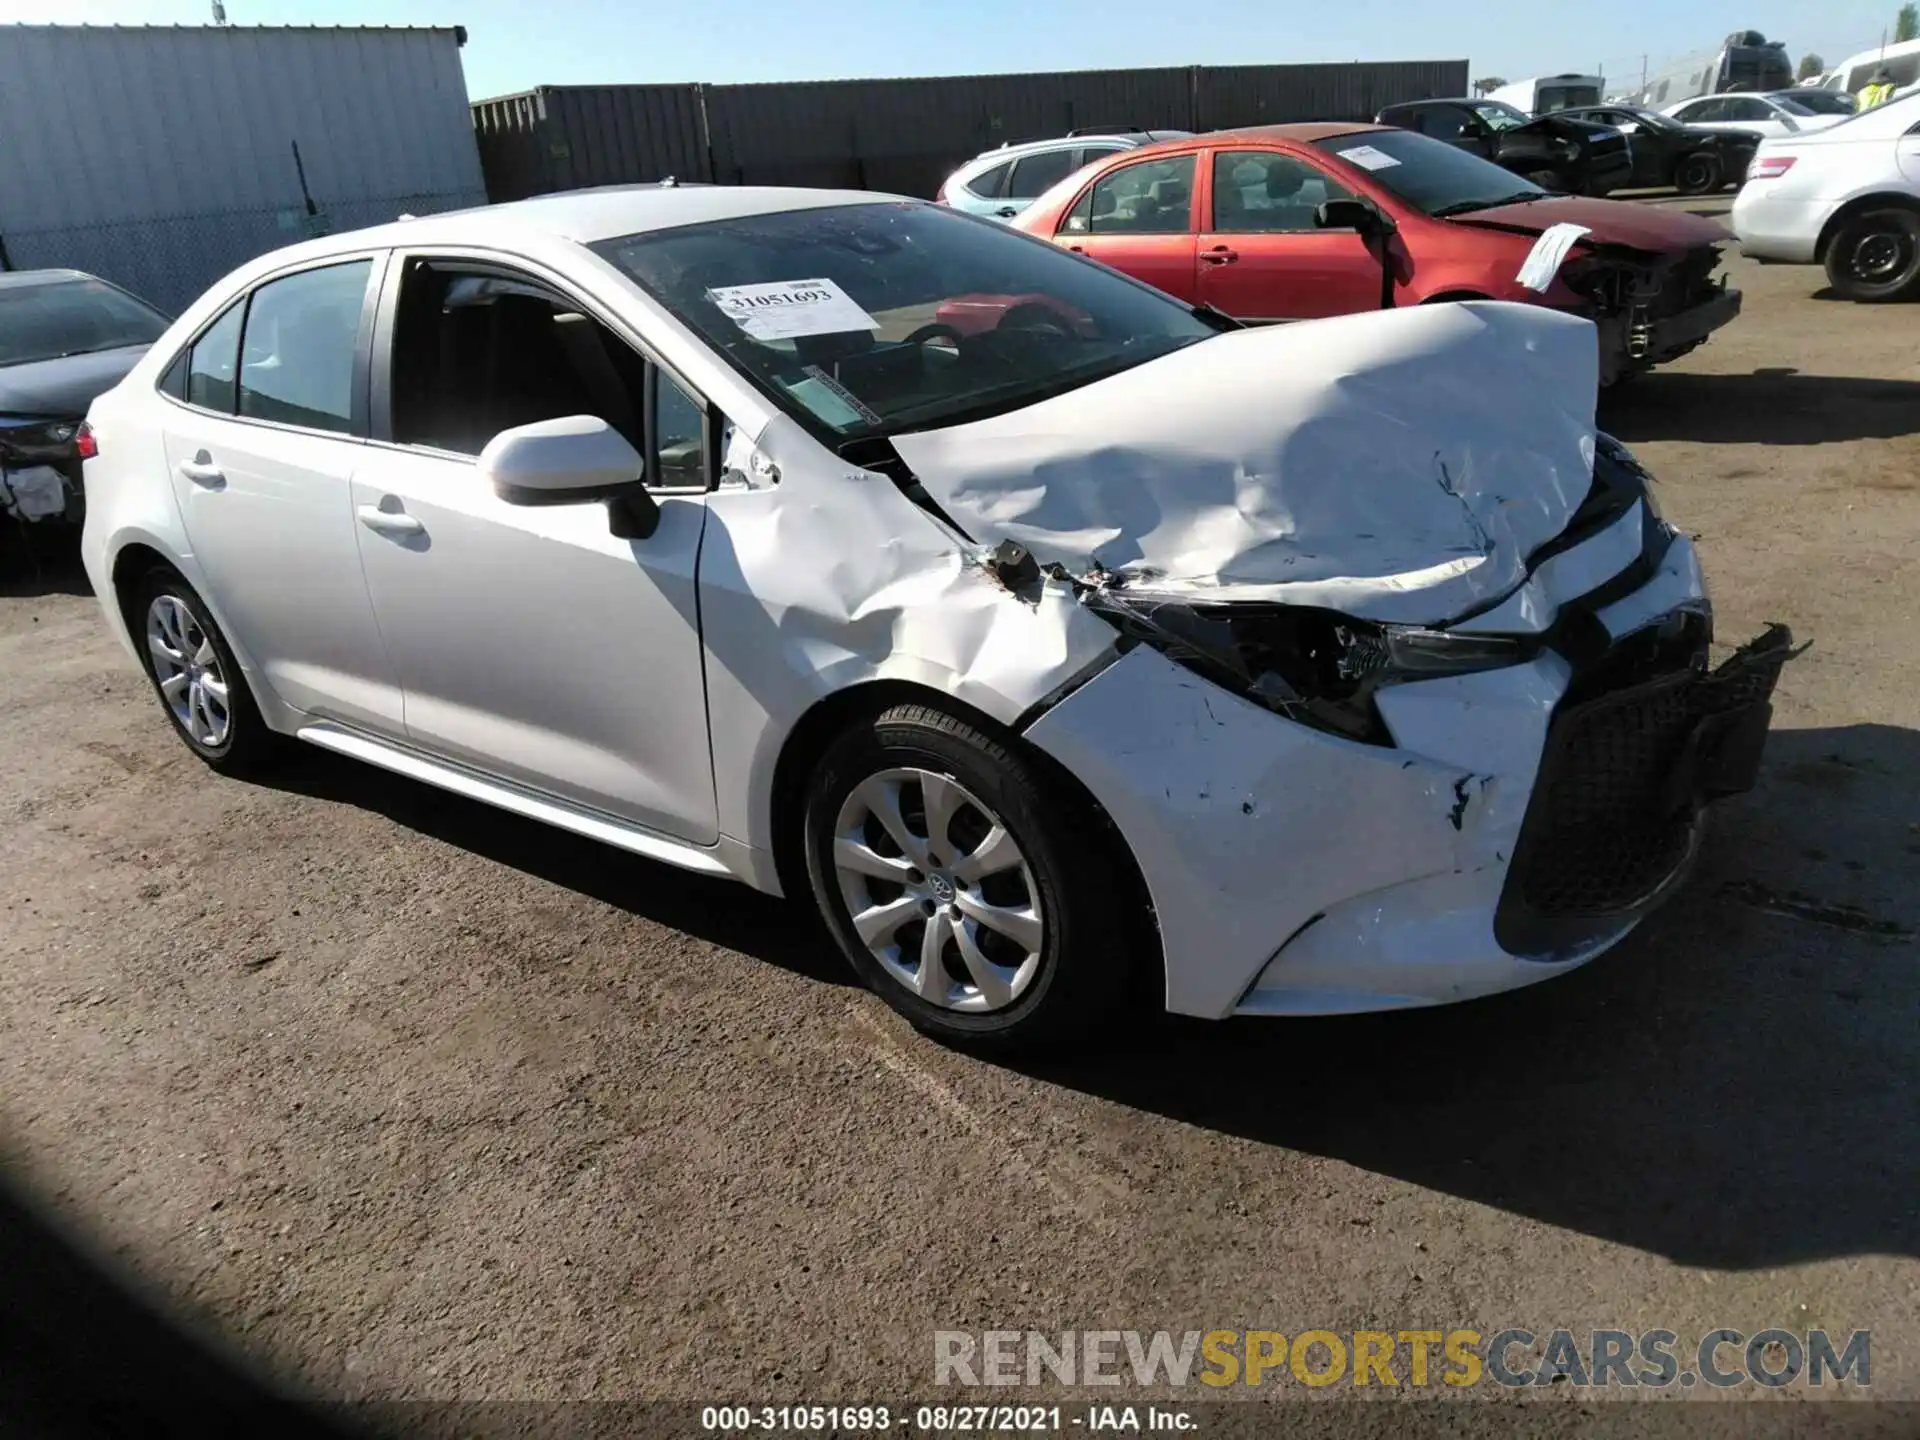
pixel 406 1097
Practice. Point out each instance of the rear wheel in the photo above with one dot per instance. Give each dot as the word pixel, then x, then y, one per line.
pixel 199 682
pixel 1875 255
pixel 1698 174
pixel 966 887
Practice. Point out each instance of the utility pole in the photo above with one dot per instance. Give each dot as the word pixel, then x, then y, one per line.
pixel 1643 75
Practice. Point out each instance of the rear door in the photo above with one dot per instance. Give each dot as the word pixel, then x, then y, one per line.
pixel 1264 258
pixel 1138 218
pixel 266 426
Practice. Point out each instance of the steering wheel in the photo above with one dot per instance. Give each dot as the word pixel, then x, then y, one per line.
pixel 927 334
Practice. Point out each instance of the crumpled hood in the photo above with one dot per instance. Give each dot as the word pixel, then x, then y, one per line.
pixel 1398 466
pixel 1608 222
pixel 63 388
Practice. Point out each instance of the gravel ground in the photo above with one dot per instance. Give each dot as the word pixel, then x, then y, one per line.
pixel 408 1098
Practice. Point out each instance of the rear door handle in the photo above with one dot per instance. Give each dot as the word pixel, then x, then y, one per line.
pixel 1220 255
pixel 202 471
pixel 389 522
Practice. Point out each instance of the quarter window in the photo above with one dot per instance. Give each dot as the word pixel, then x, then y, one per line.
pixel 296 363
pixel 212 361
pixel 991 183
pixel 1154 197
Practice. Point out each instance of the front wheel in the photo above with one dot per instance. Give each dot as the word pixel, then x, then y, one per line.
pixel 1875 256
pixel 966 887
pixel 1698 174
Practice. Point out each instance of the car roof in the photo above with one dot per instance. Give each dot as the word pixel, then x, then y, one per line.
pixel 1014 149
pixel 1300 133
pixel 21 279
pixel 603 213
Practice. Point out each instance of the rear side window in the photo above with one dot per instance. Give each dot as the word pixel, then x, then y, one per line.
pixel 212 361
pixel 1154 197
pixel 296 363
pixel 1442 123
pixel 991 184
pixel 1034 175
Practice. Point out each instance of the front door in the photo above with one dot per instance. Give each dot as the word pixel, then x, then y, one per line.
pixel 532 643
pixel 1138 218
pixel 1265 257
pixel 260 443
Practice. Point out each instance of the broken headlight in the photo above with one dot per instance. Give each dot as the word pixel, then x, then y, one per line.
pixel 1318 667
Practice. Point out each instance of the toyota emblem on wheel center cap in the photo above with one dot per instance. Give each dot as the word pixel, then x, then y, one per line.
pixel 942 888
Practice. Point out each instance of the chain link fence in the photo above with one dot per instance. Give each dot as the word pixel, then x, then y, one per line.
pixel 168 261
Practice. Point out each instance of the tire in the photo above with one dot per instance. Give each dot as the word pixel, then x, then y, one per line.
pixel 1874 256
pixel 1063 968
pixel 1700 173
pixel 190 663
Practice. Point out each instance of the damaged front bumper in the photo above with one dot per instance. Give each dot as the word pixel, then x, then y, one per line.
pixel 1298 871
pixel 40 472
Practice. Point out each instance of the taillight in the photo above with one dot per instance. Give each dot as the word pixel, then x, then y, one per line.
pixel 84 445
pixel 1770 167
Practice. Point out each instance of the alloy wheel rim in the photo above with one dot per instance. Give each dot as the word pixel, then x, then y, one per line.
pixel 938 890
pixel 187 667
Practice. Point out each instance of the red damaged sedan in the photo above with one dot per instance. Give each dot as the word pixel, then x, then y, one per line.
pixel 1293 222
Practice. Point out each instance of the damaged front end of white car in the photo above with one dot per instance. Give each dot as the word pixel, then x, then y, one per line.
pixel 1409 700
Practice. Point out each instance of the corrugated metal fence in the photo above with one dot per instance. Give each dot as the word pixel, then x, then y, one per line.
pixel 160 157
pixel 897 135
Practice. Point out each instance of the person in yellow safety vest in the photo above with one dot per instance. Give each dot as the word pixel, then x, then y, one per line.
pixel 1879 92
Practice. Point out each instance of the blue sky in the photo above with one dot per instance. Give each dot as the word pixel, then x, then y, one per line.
pixel 515 45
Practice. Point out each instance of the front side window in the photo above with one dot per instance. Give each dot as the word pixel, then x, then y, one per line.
pixel 1034 175
pixel 1442 122
pixel 71 317
pixel 296 361
pixel 477 351
pixel 1262 193
pixel 872 319
pixel 212 361
pixel 1154 197
pixel 680 436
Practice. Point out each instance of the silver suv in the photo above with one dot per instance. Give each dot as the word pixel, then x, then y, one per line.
pixel 1001 183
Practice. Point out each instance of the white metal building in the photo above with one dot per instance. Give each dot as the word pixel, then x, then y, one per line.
pixel 159 157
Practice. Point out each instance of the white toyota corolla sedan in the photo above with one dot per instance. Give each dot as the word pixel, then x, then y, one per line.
pixel 1061 642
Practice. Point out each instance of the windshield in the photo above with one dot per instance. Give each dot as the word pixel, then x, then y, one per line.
pixel 1652 119
pixel 1430 175
pixel 1500 116
pixel 864 320
pixel 71 317
pixel 1791 106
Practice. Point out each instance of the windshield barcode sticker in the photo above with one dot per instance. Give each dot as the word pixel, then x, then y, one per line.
pixel 1367 158
pixel 787 309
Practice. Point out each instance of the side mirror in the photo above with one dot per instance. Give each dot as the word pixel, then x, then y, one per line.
pixel 1350 214
pixel 574 460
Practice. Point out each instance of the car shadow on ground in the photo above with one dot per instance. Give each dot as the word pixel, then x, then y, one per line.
pixel 1777 406
pixel 32 564
pixel 720 911
pixel 1732 1087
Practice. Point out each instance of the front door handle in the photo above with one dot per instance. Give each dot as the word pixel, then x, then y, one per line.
pixel 202 471
pixel 1220 255
pixel 389 522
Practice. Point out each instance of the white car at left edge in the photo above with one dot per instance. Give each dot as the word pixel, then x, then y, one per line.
pixel 1847 197
pixel 1063 653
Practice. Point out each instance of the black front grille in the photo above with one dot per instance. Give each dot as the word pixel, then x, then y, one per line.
pixel 1615 808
